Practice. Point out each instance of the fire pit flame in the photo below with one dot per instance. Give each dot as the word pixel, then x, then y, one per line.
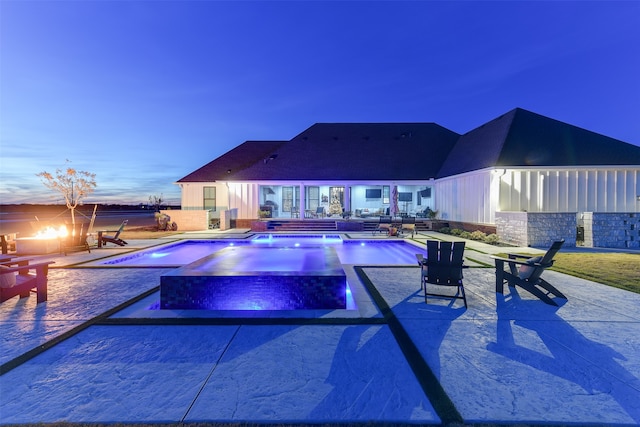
pixel 52 233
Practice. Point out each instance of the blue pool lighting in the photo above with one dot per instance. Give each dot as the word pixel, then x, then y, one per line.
pixel 159 255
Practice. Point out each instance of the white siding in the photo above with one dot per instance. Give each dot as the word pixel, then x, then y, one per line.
pixel 193 196
pixel 244 197
pixel 474 197
pixel 467 197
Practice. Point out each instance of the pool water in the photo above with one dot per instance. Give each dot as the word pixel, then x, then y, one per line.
pixel 258 278
pixel 361 252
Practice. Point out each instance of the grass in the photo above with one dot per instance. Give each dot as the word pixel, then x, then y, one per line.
pixel 619 270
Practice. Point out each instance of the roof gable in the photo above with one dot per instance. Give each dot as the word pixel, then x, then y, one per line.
pixel 523 138
pixel 233 161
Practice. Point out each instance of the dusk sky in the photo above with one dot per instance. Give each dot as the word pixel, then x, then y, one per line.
pixel 142 93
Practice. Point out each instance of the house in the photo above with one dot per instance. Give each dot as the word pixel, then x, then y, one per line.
pixel 519 165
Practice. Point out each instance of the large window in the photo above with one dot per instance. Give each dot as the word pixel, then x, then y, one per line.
pixel 209 198
pixel 312 197
pixel 290 198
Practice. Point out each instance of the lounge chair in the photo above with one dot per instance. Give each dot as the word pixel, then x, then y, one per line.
pixel 442 267
pixel 115 239
pixel 75 241
pixel 525 271
pixel 384 225
pixel 8 242
pixel 15 279
pixel 408 225
pixel 319 212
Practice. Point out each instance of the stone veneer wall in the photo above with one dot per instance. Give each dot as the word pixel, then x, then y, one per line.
pixel 189 220
pixel 537 229
pixel 611 230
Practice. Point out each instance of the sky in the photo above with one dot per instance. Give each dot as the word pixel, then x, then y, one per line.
pixel 142 93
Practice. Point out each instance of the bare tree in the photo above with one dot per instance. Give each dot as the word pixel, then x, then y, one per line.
pixel 74 185
pixel 156 201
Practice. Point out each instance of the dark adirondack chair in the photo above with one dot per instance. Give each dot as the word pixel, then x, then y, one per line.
pixel 525 271
pixel 115 239
pixel 17 280
pixel 443 267
pixel 76 240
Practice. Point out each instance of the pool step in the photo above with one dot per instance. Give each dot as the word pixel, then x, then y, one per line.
pixel 305 225
pixel 311 225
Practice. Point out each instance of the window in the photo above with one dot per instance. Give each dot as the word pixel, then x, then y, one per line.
pixel 288 200
pixel 385 194
pixel 312 197
pixel 209 198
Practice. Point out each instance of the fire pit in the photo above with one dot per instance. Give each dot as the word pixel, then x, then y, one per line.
pixel 45 241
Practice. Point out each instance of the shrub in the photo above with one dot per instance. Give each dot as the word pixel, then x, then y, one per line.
pixel 456 232
pixel 465 235
pixel 492 239
pixel 478 235
pixel 445 230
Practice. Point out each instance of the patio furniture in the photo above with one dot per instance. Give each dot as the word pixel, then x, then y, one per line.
pixel 8 242
pixel 115 239
pixel 408 225
pixel 384 225
pixel 75 241
pixel 442 267
pixel 526 274
pixel 319 212
pixel 15 279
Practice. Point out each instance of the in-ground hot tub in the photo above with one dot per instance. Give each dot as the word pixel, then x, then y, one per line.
pixel 258 278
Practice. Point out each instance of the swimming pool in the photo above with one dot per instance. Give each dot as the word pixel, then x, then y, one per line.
pixel 361 252
pixel 270 272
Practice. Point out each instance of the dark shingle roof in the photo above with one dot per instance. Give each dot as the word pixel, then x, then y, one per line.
pixel 358 151
pixel 416 151
pixel 234 161
pixel 523 138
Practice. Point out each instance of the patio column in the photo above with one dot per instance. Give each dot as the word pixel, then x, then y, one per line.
pixel 347 198
pixel 302 202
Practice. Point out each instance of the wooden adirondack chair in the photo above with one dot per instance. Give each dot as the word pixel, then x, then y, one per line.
pixel 525 272
pixel 115 239
pixel 15 279
pixel 443 267
pixel 76 240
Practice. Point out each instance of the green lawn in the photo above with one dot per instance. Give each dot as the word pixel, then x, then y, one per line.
pixel 619 270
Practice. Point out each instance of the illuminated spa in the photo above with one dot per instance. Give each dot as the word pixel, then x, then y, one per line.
pixel 258 278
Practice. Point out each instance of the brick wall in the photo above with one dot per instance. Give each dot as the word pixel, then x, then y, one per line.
pixel 189 220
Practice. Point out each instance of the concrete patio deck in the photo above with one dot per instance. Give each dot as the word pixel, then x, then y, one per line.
pixel 95 353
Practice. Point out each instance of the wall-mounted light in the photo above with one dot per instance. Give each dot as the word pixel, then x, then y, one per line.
pixel 638 197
